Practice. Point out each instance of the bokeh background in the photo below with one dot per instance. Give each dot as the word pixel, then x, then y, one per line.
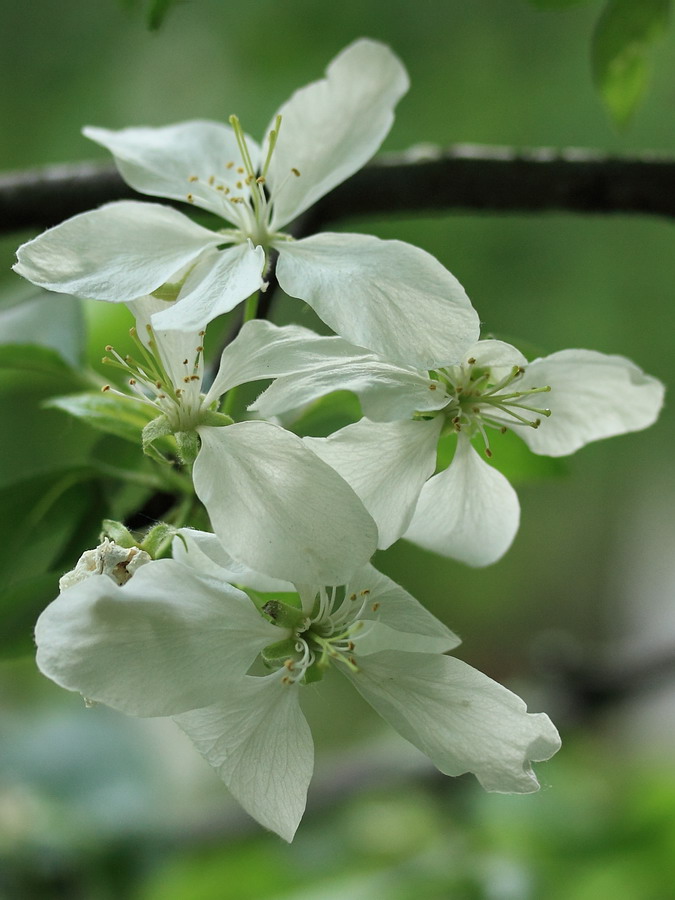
pixel 579 616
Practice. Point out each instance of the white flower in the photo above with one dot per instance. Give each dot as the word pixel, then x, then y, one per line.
pixel 387 295
pixel 469 511
pixel 276 507
pixel 177 641
pixel 392 650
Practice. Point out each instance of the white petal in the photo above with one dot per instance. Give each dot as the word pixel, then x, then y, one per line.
pixel 330 128
pixel 388 296
pixel 219 281
pixel 262 350
pixel 278 508
pixel 387 392
pixel 203 553
pixel 592 396
pixel 394 619
pixel 163 643
pixel 386 463
pixel 495 354
pixel 258 741
pixel 161 161
pixel 468 512
pixel 118 252
pixel 460 718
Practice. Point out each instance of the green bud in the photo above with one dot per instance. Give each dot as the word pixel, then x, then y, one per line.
pixel 275 655
pixel 188 445
pixel 284 615
pixel 215 419
pixel 158 428
pixel 118 533
pixel 156 539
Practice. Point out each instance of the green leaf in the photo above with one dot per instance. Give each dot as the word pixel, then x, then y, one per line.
pixel 556 4
pixel 34 440
pixel 36 360
pixel 20 605
pixel 29 315
pixel 106 412
pixel 620 52
pixel 157 13
pixel 38 518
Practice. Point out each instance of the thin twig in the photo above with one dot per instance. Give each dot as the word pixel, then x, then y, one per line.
pixel 422 180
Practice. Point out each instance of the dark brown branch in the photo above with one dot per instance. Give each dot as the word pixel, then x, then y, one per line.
pixel 422 180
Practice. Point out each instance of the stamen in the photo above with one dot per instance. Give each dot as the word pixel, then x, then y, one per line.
pixel 272 138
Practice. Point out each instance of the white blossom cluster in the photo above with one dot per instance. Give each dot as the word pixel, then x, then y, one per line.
pixel 227 633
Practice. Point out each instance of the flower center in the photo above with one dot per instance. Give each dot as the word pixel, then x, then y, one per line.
pixel 477 399
pixel 325 637
pixel 177 394
pixel 245 196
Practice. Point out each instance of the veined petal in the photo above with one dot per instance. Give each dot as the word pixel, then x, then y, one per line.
pixel 262 350
pixel 388 296
pixel 468 512
pixel 258 741
pixel 387 392
pixel 203 552
pixel 177 160
pixel 331 127
pixel 219 281
pixel 592 396
pixel 118 252
pixel 386 463
pixel 278 508
pixel 461 719
pixel 165 642
pixel 395 620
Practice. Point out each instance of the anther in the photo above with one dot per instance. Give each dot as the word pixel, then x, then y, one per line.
pixel 260 179
pixel 433 386
pixel 488 453
pixel 106 387
pixel 375 607
pixel 241 170
pixel 190 198
pixel 353 597
pixel 295 172
pixel 229 165
pixel 193 178
pixel 471 361
pixel 212 179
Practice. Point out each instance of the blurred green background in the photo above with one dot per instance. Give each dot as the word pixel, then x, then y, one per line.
pixel 94 805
